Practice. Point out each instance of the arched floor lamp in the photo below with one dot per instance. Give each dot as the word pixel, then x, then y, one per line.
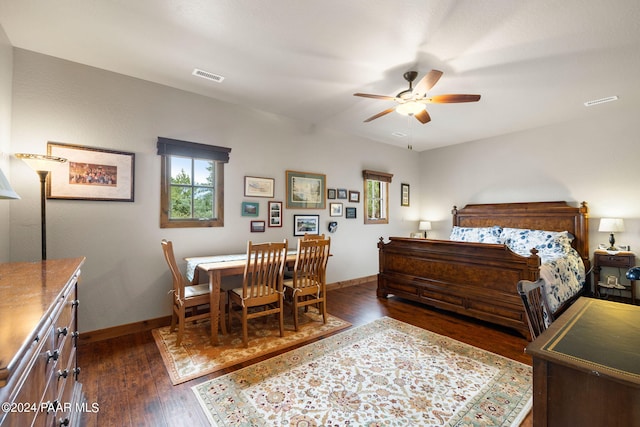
pixel 42 164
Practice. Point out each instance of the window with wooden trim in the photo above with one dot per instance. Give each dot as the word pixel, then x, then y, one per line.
pixel 376 197
pixel 192 184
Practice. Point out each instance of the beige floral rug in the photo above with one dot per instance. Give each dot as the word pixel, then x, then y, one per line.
pixel 196 357
pixel 385 373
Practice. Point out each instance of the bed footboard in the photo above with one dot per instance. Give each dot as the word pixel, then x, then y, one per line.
pixel 474 279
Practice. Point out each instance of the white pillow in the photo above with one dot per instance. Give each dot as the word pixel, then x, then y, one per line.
pixel 476 234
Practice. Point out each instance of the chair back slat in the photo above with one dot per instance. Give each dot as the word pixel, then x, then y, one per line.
pixel 178 278
pixel 311 262
pixel 264 269
pixel 536 309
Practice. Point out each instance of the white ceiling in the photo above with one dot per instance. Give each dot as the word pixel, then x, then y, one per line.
pixel 535 62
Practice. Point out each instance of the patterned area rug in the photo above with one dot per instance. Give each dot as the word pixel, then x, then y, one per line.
pixel 196 357
pixel 385 373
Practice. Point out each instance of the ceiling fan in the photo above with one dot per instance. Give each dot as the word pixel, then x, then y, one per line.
pixel 412 102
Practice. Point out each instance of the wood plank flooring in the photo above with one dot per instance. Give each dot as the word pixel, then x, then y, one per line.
pixel 126 377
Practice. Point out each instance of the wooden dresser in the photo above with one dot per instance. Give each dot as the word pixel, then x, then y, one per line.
pixel 38 334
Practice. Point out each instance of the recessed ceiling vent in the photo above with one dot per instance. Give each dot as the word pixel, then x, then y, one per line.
pixel 600 101
pixel 207 75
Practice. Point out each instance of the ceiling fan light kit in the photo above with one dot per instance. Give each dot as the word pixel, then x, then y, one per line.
pixel 412 102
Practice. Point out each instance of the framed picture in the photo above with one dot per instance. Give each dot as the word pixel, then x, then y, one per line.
pixel 275 214
pixel 250 209
pixel 331 193
pixel 91 173
pixel 305 190
pixel 342 193
pixel 354 196
pixel 417 235
pixel 335 209
pixel 306 224
pixel 404 195
pixel 258 187
pixel 350 212
pixel 257 226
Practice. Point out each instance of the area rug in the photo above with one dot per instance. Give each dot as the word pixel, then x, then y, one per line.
pixel 385 373
pixel 196 357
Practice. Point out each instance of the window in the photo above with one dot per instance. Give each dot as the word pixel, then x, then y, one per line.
pixel 192 184
pixel 376 197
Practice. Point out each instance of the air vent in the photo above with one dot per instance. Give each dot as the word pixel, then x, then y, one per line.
pixel 207 75
pixel 399 134
pixel 600 101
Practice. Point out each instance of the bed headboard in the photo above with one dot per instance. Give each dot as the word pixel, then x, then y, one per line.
pixel 552 216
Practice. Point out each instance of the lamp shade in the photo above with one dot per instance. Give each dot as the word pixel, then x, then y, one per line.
pixel 41 162
pixel 611 225
pixel 424 226
pixel 6 192
pixel 410 108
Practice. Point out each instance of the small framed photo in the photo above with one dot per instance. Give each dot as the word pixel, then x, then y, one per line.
pixel 250 209
pixel 335 209
pixel 257 226
pixel 258 187
pixel 342 193
pixel 275 214
pixel 404 195
pixel 354 196
pixel 350 212
pixel 331 193
pixel 306 224
pixel 612 280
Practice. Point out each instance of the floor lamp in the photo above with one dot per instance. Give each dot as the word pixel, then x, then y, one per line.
pixel 42 164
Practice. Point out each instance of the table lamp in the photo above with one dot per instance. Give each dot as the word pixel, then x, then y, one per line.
pixel 42 164
pixel 611 225
pixel 424 226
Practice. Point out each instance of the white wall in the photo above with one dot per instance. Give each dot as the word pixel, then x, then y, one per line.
pixel 595 160
pixel 125 278
pixel 6 72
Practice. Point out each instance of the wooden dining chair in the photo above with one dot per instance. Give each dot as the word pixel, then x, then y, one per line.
pixel 190 302
pixel 535 306
pixel 261 285
pixel 308 285
pixel 308 236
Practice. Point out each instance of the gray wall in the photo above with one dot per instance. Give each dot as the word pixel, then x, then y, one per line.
pixel 6 72
pixel 125 276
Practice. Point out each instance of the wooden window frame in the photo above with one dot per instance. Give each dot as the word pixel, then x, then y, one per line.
pixel 385 178
pixel 168 147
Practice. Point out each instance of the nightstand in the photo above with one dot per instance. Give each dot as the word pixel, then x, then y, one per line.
pixel 620 260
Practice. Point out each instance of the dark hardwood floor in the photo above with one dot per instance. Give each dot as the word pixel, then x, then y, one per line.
pixel 127 379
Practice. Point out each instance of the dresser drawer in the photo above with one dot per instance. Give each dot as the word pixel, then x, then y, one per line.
pixel 622 261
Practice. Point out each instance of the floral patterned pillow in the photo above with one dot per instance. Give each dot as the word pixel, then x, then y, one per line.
pixel 476 234
pixel 550 244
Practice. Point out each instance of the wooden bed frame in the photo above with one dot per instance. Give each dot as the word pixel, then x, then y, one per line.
pixel 478 279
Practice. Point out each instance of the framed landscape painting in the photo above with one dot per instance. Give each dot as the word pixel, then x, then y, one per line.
pixel 305 190
pixel 91 173
pixel 306 224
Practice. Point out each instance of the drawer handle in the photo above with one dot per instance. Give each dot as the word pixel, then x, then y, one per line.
pixel 52 355
pixel 63 374
pixel 64 422
pixel 63 331
pixel 76 373
pixel 75 303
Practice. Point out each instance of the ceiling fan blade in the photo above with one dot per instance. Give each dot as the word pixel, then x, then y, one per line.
pixel 423 117
pixel 380 114
pixel 427 82
pixel 448 99
pixel 368 95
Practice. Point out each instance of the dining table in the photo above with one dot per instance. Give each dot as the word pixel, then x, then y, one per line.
pixel 216 267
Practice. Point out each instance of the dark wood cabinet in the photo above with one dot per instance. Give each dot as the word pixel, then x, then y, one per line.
pixel 39 383
pixel 586 367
